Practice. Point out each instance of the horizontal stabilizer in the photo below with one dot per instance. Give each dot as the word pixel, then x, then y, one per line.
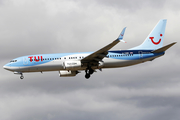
pixel 163 48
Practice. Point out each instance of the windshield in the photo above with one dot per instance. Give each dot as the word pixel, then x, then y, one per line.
pixel 13 61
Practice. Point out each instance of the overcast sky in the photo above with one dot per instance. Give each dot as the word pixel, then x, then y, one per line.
pixel 148 91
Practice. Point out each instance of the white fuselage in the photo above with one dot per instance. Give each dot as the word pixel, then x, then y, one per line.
pixel 55 62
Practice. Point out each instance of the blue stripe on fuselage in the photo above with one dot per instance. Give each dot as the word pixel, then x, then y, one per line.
pixel 132 54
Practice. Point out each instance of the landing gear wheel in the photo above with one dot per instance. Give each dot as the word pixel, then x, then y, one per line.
pixel 91 71
pixel 87 76
pixel 21 77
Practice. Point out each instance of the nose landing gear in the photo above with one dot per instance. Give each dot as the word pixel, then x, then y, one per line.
pixel 19 73
pixel 21 77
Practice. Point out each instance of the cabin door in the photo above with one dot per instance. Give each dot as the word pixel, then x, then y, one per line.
pixel 140 55
pixel 25 61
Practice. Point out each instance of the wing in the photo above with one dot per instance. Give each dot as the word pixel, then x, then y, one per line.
pixel 100 54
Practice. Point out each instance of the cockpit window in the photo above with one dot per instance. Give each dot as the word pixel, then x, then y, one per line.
pixel 13 61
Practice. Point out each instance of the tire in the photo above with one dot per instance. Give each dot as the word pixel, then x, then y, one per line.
pixel 91 71
pixel 21 77
pixel 87 76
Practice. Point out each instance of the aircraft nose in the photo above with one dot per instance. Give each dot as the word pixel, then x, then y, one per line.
pixel 7 67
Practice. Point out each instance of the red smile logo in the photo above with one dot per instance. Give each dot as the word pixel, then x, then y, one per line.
pixel 156 43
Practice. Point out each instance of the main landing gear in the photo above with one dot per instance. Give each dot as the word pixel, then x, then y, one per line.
pixel 88 71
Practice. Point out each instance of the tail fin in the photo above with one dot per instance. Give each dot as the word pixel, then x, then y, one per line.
pixel 155 38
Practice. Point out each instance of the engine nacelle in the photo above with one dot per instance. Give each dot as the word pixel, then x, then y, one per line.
pixel 67 73
pixel 101 64
pixel 72 65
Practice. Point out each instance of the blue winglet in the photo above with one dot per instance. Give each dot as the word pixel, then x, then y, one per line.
pixel 120 38
pixel 122 34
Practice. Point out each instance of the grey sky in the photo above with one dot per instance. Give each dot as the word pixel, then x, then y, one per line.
pixel 148 91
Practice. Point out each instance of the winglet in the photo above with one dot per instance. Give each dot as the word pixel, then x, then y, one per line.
pixel 120 38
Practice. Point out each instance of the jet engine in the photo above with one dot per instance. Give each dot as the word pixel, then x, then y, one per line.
pixel 101 64
pixel 67 73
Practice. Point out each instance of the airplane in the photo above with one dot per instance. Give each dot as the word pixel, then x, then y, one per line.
pixel 70 64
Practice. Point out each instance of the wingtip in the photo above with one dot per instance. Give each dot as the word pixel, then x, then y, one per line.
pixel 122 34
pixel 123 41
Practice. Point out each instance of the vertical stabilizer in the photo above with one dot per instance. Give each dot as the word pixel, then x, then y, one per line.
pixel 155 38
